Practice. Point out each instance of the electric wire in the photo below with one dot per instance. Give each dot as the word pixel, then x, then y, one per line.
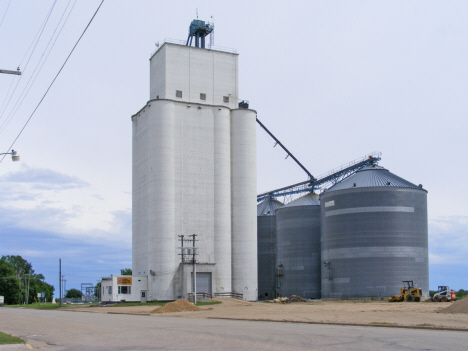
pixel 32 52
pixel 50 86
pixel 33 77
pixel 5 13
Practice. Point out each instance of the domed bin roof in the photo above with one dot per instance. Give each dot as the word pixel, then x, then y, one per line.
pixel 373 176
pixel 311 199
pixel 268 207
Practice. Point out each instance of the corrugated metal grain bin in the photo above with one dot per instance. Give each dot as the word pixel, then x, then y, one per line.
pixel 266 242
pixel 298 247
pixel 374 235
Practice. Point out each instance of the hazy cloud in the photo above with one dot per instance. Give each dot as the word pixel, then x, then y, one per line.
pixel 448 240
pixel 44 179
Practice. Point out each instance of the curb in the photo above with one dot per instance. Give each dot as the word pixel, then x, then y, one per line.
pixel 346 324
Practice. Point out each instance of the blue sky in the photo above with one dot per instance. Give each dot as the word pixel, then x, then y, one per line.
pixel 332 80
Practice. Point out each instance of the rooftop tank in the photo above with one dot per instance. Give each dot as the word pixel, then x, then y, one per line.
pixel 298 247
pixel 374 235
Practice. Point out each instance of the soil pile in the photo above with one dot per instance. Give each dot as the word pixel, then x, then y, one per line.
pixel 180 305
pixel 460 306
pixel 295 298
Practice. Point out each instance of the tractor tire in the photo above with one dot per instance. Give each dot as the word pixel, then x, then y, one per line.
pixel 417 299
pixel 409 298
pixel 436 299
pixel 443 299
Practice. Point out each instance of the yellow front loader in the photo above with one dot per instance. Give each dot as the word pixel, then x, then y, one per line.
pixel 408 293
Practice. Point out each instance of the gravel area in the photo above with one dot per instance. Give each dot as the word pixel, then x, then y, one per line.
pixel 420 314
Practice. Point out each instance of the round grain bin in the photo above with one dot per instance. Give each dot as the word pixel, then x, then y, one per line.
pixel 266 243
pixel 374 235
pixel 298 248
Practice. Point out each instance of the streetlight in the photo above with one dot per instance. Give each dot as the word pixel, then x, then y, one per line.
pixel 13 154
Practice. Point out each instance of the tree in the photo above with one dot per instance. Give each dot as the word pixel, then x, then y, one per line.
pixel 73 294
pixel 10 287
pixel 126 271
pixel 28 280
pixel 97 290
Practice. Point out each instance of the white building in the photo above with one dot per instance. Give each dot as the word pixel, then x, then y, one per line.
pixel 194 172
pixel 119 288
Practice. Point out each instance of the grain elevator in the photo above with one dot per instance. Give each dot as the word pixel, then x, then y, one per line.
pixel 194 172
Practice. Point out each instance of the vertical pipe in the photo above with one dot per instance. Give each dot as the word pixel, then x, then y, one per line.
pixel 244 203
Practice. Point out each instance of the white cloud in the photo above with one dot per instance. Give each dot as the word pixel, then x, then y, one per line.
pixel 448 240
pixel 45 200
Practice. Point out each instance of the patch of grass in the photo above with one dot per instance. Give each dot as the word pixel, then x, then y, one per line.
pixel 383 323
pixel 425 325
pixel 208 303
pixel 123 304
pixel 8 339
pixel 44 306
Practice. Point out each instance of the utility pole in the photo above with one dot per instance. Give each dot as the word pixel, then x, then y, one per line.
pixel 193 251
pixel 17 72
pixel 194 271
pixel 183 262
pixel 60 282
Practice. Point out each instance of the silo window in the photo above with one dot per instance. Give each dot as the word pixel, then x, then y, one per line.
pixel 178 93
pixel 202 96
pixel 226 99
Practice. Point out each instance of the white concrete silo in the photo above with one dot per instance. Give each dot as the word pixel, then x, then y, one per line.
pixel 244 203
pixel 194 172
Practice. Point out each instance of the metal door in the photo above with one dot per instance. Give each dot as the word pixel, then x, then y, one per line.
pixel 143 296
pixel 203 283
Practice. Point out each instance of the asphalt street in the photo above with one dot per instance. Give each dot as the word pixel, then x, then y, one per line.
pixel 65 330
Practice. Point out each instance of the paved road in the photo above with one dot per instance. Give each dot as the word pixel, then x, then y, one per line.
pixel 62 330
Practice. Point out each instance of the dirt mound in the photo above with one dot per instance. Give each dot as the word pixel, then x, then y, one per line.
pixel 180 305
pixel 460 306
pixel 295 298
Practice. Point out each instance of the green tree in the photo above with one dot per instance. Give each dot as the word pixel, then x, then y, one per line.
pixel 97 290
pixel 461 293
pixel 73 294
pixel 10 287
pixel 126 271
pixel 28 280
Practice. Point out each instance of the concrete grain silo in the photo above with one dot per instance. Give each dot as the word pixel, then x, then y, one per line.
pixel 298 247
pixel 266 243
pixel 194 172
pixel 374 235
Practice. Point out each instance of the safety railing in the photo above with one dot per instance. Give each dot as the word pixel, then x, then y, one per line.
pixel 230 294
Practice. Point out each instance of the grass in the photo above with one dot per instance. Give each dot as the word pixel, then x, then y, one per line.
pixel 384 323
pixel 51 306
pixel 123 304
pixel 425 325
pixel 8 339
pixel 42 306
pixel 208 303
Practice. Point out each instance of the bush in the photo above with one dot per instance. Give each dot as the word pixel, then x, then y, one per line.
pixel 74 294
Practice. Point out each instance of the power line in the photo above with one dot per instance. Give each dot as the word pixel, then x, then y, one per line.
pixel 41 30
pixel 50 86
pixel 5 13
pixel 33 78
